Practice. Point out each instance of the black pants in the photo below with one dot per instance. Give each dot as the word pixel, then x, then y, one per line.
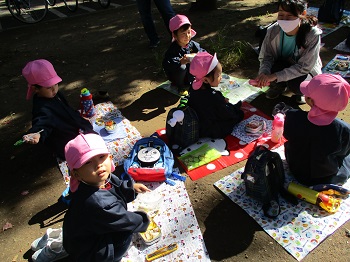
pixel 293 84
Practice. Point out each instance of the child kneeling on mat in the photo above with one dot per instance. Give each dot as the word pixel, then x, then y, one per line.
pixel 97 225
pixel 216 115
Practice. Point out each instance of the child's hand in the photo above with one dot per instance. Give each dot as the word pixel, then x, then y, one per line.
pixel 140 188
pixel 184 60
pixel 32 138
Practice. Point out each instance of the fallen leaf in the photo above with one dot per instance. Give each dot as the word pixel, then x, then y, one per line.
pixel 7 226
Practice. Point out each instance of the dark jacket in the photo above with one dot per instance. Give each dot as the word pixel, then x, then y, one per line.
pixel 60 122
pixel 216 117
pixel 316 154
pixel 97 221
pixel 171 60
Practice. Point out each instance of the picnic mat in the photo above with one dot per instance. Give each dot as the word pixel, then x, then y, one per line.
pixel 298 229
pixel 326 27
pixel 119 143
pixel 336 66
pixel 233 149
pixel 233 88
pixel 178 224
pixel 342 47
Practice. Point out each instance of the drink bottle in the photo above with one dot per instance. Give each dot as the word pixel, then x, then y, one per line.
pixel 86 104
pixel 277 128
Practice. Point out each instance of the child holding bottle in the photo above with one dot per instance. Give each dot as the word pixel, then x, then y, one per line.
pixel 318 146
pixel 217 116
pixel 97 225
pixel 56 121
pixel 177 58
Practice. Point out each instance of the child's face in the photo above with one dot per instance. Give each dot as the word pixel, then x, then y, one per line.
pixel 95 171
pixel 183 36
pixel 216 78
pixel 47 92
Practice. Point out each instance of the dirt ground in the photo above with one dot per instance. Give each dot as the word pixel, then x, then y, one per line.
pixel 108 50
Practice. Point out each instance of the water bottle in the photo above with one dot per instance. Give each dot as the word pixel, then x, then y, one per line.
pixel 277 128
pixel 86 104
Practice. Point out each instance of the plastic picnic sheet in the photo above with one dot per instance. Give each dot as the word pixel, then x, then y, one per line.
pixel 178 224
pixel 332 66
pixel 298 229
pixel 119 143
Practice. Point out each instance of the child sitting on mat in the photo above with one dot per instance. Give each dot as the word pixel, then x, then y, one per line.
pixel 216 115
pixel 56 121
pixel 97 225
pixel 177 59
pixel 318 146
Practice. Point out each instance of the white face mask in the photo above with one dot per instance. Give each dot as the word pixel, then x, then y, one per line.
pixel 288 25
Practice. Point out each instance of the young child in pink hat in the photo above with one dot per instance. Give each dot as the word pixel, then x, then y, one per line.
pixel 57 122
pixel 217 116
pixel 318 146
pixel 178 56
pixel 97 225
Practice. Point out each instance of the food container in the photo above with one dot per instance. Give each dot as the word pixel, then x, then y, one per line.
pixel 152 234
pixel 110 126
pixel 254 126
pixel 149 201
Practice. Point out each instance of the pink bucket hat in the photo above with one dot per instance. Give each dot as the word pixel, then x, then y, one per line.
pixel 330 94
pixel 202 64
pixel 82 148
pixel 39 72
pixel 177 21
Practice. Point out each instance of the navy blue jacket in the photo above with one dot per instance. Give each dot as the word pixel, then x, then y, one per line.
pixel 317 154
pixel 61 123
pixel 171 60
pixel 97 221
pixel 216 117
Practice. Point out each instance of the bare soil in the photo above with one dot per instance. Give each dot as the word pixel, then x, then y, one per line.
pixel 108 50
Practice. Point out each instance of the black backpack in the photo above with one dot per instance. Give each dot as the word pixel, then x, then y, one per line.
pixel 184 133
pixel 331 11
pixel 264 178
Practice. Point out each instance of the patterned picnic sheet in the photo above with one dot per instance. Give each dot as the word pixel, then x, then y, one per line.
pixel 119 143
pixel 178 224
pixel 298 229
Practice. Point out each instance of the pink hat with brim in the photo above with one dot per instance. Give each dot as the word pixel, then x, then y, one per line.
pixel 177 21
pixel 39 72
pixel 202 64
pixel 330 94
pixel 80 150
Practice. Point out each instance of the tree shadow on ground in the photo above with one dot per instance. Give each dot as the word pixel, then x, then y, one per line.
pixel 150 105
pixel 228 221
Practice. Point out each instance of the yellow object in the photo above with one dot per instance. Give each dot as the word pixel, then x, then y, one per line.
pixel 161 252
pixel 328 203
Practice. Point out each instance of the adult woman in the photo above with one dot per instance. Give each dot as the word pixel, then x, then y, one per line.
pixel 290 50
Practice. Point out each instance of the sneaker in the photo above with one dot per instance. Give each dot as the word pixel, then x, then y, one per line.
pixel 300 99
pixel 183 92
pixel 39 243
pixel 275 92
pixel 53 251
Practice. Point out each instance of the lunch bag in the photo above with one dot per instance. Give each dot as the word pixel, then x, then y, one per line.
pixel 151 160
pixel 264 179
pixel 331 11
pixel 185 132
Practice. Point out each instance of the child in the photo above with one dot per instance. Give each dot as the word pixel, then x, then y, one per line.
pixel 216 115
pixel 97 225
pixel 290 50
pixel 177 59
pixel 318 146
pixel 51 113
